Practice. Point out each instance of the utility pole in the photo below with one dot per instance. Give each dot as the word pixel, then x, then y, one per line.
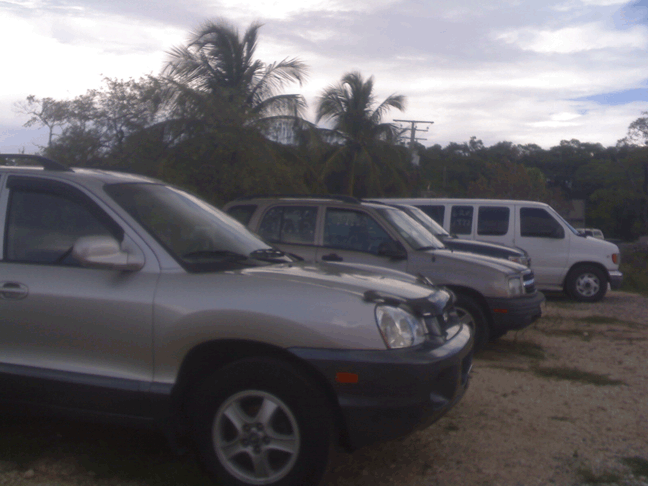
pixel 412 129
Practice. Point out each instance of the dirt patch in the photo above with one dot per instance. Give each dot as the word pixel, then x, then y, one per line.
pixel 564 402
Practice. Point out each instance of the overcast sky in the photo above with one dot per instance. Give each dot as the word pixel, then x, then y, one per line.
pixel 524 71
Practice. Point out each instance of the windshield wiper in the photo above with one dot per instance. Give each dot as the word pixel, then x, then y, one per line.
pixel 269 254
pixel 221 255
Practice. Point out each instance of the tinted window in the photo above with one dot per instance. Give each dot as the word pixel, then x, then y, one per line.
pixel 538 223
pixel 461 218
pixel 242 213
pixel 437 213
pixel 43 227
pixel 493 221
pixel 289 224
pixel 353 230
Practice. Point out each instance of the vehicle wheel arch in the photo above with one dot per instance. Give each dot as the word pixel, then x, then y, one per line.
pixel 476 296
pixel 576 267
pixel 477 300
pixel 207 358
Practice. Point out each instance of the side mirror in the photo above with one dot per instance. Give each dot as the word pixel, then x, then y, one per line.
pixel 105 252
pixel 392 249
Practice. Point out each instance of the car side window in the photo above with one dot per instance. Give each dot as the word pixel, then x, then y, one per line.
pixel 493 221
pixel 242 213
pixel 289 224
pixel 538 223
pixel 42 227
pixel 353 230
pixel 461 218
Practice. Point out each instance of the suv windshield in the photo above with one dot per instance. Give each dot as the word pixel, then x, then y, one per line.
pixel 410 230
pixel 199 236
pixel 426 221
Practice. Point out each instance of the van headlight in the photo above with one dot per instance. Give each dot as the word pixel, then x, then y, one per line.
pixel 399 328
pixel 515 286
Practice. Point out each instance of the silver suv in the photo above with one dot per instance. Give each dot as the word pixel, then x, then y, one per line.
pixel 493 295
pixel 124 298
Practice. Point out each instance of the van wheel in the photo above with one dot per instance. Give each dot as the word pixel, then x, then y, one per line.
pixel 261 421
pixel 471 314
pixel 586 283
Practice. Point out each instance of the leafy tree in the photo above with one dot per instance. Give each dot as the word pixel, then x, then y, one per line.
pixel 364 153
pixel 508 180
pixel 96 128
pixel 45 112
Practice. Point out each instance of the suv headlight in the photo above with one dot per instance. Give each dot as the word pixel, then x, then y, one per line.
pixel 515 286
pixel 399 328
pixel 522 260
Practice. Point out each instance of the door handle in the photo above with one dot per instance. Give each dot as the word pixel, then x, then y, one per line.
pixel 13 290
pixel 332 257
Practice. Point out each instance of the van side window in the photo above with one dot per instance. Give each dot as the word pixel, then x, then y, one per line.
pixel 437 213
pixel 289 224
pixel 493 221
pixel 461 218
pixel 538 223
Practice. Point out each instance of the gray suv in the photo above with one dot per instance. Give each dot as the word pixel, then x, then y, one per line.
pixel 123 298
pixel 493 295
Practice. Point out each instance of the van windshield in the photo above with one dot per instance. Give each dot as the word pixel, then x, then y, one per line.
pixel 410 230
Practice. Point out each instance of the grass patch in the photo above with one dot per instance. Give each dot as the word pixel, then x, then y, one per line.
pixel 109 452
pixel 500 349
pixel 634 266
pixel 589 476
pixel 638 465
pixel 573 374
pixel 597 320
pixel 451 427
pixel 583 335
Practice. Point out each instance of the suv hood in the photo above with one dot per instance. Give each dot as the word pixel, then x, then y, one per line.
pixel 348 278
pixel 498 264
pixel 458 243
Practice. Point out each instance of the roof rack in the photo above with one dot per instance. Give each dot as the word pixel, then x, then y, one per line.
pixel 48 164
pixel 337 197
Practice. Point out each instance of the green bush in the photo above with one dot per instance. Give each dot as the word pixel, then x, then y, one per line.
pixel 634 265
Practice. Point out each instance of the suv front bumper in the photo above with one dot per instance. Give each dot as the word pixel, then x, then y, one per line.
pixel 516 313
pixel 397 390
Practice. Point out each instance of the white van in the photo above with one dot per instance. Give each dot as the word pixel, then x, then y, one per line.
pixel 563 259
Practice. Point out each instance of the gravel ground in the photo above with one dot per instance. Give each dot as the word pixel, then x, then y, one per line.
pixel 517 426
pixel 564 402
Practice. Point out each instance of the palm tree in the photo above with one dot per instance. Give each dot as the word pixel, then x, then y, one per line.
pixel 362 137
pixel 216 78
pixel 223 106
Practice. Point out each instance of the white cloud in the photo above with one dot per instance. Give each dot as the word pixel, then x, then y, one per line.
pixel 576 39
pixel 284 9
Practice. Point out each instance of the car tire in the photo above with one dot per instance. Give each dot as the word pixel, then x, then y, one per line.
pixel 586 283
pixel 471 314
pixel 261 421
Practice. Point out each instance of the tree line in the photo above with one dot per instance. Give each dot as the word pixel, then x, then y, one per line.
pixel 219 122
